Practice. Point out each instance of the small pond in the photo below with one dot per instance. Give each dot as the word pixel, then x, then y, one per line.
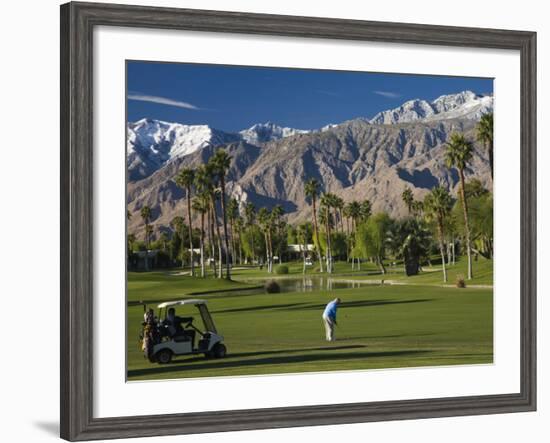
pixel 309 284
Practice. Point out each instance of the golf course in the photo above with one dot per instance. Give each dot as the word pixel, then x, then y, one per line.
pixel 384 321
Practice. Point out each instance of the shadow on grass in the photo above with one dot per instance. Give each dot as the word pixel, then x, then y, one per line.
pixel 288 359
pixel 320 306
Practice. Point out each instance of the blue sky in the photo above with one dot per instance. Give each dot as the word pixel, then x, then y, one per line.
pixel 232 98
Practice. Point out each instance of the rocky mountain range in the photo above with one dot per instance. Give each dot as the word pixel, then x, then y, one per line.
pixel 358 159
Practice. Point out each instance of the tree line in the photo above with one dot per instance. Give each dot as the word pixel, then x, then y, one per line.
pixel 230 233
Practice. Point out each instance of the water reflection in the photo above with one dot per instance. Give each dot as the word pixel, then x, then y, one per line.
pixel 309 284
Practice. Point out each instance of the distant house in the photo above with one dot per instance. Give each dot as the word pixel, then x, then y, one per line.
pixel 295 251
pixel 299 248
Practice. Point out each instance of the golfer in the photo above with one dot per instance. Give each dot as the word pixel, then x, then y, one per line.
pixel 329 318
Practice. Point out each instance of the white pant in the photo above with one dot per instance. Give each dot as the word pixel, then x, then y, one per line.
pixel 329 328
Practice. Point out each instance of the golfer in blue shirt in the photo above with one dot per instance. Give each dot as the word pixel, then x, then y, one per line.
pixel 329 318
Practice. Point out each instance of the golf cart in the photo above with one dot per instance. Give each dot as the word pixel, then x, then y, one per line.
pixel 163 338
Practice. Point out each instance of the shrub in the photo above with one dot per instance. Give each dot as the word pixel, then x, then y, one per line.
pixel 281 269
pixel 460 282
pixel 272 287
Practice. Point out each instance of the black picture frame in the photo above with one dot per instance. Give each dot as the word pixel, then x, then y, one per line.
pixel 77 23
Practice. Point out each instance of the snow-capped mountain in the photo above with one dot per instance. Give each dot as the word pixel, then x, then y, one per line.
pixel 153 143
pixel 464 104
pixel 265 132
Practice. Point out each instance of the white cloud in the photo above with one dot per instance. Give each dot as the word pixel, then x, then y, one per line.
pixel 161 101
pixel 387 94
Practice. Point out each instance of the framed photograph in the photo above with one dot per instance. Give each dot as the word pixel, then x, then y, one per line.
pixel 273 221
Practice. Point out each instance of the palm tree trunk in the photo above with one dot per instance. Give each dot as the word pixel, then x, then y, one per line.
pixel 316 229
pixel 233 249
pixel 466 225
pixel 240 248
pixel 203 267
pixel 146 247
pixel 252 242
pixel 329 245
pixel 304 255
pixel 380 263
pixel 218 242
pixel 442 250
pixel 210 232
pixel 270 250
pixel 266 250
pixel 190 231
pixel 225 235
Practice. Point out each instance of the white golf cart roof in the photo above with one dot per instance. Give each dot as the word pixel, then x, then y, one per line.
pixel 191 301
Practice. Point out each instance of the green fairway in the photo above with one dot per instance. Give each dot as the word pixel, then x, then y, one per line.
pixel 381 326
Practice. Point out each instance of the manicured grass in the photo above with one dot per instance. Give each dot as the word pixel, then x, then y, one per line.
pixel 381 326
pixel 482 270
pixel 170 285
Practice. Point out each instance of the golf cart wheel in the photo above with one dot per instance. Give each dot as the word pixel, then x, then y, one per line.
pixel 219 350
pixel 163 357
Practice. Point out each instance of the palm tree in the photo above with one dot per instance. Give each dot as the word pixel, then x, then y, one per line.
pixel 163 239
pixel 417 208
pixel 408 198
pixel 185 180
pixel 339 206
pixel 200 206
pixel 232 214
pixel 206 183
pixel 178 225
pixel 327 202
pixel 146 216
pixel 354 210
pixel 239 226
pixel 277 214
pixel 437 205
pixel 459 153
pixel 250 213
pixel 303 233
pixel 265 220
pixel 485 135
pixel 221 162
pixel 312 191
pixel 366 210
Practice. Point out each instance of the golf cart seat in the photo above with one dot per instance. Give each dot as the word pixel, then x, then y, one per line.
pixel 181 337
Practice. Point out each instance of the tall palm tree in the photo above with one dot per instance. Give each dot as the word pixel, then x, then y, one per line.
pixel 250 213
pixel 239 226
pixel 200 207
pixel 303 233
pixel 437 205
pixel 146 216
pixel 221 162
pixel 354 210
pixel 408 198
pixel 339 206
pixel 484 135
pixel 178 225
pixel 206 183
pixel 312 191
pixel 163 237
pixel 277 221
pixel 366 210
pixel 265 220
pixel 232 214
pixel 458 155
pixel 327 203
pixel 185 180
